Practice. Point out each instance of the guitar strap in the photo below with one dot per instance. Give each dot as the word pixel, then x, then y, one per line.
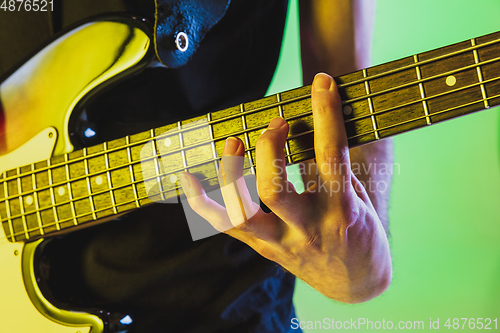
pixel 181 25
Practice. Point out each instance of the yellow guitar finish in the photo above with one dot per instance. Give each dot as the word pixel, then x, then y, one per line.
pixel 38 100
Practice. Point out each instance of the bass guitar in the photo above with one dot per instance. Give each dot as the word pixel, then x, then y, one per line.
pixel 47 187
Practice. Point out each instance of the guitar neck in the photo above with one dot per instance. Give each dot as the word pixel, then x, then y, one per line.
pixel 84 186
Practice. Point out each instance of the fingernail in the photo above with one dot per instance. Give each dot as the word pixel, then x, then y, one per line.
pixel 322 81
pixel 185 182
pixel 276 123
pixel 231 147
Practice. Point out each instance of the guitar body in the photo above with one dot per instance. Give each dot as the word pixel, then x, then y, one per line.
pixel 23 307
pixel 38 100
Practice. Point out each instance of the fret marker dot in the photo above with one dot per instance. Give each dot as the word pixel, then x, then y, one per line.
pixel 167 142
pixel 98 180
pixel 61 191
pixel 451 80
pixel 173 178
pixel 29 200
pixel 347 110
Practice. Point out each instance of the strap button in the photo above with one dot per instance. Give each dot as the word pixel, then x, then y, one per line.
pixel 182 41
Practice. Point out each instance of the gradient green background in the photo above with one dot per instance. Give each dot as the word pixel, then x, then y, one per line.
pixel 445 202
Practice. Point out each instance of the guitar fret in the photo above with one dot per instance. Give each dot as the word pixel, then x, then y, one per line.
pixel 132 178
pixel 252 164
pixel 247 138
pixel 157 166
pixel 214 149
pixel 480 74
pixel 108 175
pixel 36 200
pixel 51 191
pixel 70 193
pixel 72 205
pixel 21 205
pixel 287 144
pixel 7 210
pixel 370 105
pixel 91 199
pixel 181 145
pixel 19 186
pixel 422 93
pixel 23 218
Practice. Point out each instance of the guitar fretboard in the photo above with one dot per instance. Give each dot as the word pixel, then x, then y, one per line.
pixel 83 186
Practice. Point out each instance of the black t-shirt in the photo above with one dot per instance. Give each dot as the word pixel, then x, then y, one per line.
pixel 145 263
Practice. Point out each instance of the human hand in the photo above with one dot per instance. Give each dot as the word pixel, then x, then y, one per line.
pixel 330 235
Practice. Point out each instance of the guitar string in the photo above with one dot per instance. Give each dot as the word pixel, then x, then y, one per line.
pixel 89 175
pixel 176 189
pixel 187 128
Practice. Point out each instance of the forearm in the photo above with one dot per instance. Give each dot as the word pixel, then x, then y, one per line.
pixel 335 36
